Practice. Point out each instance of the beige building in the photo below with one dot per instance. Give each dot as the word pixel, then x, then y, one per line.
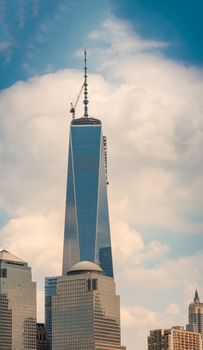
pixel 86 310
pixel 175 338
pixel 195 315
pixel 17 304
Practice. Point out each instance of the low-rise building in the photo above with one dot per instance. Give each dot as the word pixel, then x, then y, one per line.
pixel 176 338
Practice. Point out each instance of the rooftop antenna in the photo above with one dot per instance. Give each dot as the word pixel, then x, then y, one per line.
pixel 85 87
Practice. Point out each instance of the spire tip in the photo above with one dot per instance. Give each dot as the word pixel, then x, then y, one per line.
pixel 196 298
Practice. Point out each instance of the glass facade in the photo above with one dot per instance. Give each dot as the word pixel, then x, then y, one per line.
pixel 87 231
pixel 50 290
pixel 17 304
pixel 86 312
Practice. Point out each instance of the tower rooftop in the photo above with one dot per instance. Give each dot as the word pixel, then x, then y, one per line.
pixel 86 121
pixel 196 297
pixel 83 267
pixel 8 257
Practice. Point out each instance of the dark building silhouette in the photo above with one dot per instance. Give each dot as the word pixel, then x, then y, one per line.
pixel 42 337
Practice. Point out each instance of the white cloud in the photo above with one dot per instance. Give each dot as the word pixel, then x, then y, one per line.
pixel 151 109
pixel 168 274
pixel 138 320
pixel 132 251
pixel 119 38
pixel 36 236
pixel 37 239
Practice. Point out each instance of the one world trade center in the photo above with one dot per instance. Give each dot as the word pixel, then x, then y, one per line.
pixel 87 230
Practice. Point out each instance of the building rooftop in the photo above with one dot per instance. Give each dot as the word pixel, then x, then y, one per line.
pixel 83 267
pixel 196 297
pixel 8 257
pixel 85 121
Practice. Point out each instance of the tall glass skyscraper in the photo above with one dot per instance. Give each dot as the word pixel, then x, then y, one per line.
pixel 87 232
pixel 83 310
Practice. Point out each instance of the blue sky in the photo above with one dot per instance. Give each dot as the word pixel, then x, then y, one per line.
pixel 145 67
pixel 179 22
pixel 39 37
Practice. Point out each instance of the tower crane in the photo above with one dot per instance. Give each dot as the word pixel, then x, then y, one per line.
pixel 74 105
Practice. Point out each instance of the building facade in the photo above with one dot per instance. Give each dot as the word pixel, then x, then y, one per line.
pixel 87 231
pixel 50 290
pixel 86 311
pixel 17 304
pixel 175 338
pixel 195 315
pixel 155 339
pixel 42 337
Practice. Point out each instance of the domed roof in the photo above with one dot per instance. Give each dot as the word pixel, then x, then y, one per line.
pixel 85 266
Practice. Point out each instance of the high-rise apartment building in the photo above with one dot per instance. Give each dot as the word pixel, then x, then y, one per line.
pixel 175 338
pixel 17 304
pixel 195 315
pixel 86 310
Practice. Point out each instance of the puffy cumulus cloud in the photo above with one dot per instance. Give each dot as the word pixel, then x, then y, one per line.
pixel 137 316
pixel 163 290
pixel 118 37
pixel 130 250
pixel 156 110
pixel 35 236
pixel 151 109
pixel 37 239
pixel 138 320
pixel 132 244
pixel 33 144
pixel 168 274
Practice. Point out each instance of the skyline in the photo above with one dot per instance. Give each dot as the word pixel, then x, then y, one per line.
pixel 148 97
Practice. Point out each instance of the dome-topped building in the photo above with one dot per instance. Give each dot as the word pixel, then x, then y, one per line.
pixel 84 267
pixel 86 310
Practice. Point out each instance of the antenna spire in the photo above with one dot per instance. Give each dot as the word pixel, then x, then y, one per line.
pixel 85 87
